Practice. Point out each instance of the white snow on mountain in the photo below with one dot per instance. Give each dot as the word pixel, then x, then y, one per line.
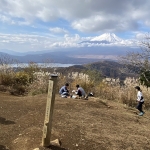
pixel 110 37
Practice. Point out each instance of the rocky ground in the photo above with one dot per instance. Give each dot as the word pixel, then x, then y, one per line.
pixel 79 124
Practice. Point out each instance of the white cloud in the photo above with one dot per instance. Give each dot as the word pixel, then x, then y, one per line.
pixel 9 20
pixel 85 16
pixel 109 23
pixel 140 36
pixel 58 30
pixel 30 42
pixel 92 24
pixel 47 14
pixel 22 23
pixel 25 42
pixel 5 19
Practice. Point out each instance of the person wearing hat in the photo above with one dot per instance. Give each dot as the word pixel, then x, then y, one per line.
pixel 140 100
pixel 64 92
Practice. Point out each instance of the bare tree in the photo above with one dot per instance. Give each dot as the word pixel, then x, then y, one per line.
pixel 139 62
pixel 5 62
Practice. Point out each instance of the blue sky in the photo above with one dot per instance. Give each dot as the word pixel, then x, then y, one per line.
pixel 33 25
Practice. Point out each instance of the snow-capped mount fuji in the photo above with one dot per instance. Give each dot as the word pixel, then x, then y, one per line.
pixel 109 37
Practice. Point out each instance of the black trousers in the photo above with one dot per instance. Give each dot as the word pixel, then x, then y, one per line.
pixel 139 106
pixel 79 93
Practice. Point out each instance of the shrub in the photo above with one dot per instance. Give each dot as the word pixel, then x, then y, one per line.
pixel 22 78
pixel 87 86
pixel 3 88
pixel 16 82
pixel 7 79
pixel 94 76
pixel 39 84
pixel 31 69
pixel 21 81
pixel 18 90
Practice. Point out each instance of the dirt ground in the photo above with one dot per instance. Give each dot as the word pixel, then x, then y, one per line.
pixel 79 124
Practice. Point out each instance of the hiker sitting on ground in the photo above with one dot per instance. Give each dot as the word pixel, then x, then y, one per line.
pixel 64 90
pixel 140 100
pixel 80 91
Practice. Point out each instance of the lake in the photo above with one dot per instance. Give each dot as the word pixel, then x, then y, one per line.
pixel 43 65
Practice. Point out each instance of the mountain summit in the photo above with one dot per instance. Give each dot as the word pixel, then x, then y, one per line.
pixel 106 39
pixel 109 37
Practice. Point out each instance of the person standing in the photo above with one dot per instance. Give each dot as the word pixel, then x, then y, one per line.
pixel 140 100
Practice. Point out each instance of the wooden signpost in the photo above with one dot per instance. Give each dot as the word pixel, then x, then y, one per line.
pixel 49 111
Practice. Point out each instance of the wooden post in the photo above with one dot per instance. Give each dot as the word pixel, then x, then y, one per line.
pixel 49 111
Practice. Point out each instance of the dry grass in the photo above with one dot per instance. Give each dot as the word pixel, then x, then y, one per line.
pixel 39 82
pixel 95 124
pixel 125 95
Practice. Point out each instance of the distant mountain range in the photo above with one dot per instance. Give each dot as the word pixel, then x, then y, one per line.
pixel 104 47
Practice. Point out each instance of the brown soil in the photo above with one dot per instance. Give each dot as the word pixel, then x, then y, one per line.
pixel 79 124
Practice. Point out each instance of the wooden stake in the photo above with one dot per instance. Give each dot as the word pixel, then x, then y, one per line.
pixel 49 111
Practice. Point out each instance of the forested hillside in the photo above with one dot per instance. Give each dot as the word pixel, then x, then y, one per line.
pixel 106 68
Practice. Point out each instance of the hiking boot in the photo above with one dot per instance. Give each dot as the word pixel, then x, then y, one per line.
pixel 141 113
